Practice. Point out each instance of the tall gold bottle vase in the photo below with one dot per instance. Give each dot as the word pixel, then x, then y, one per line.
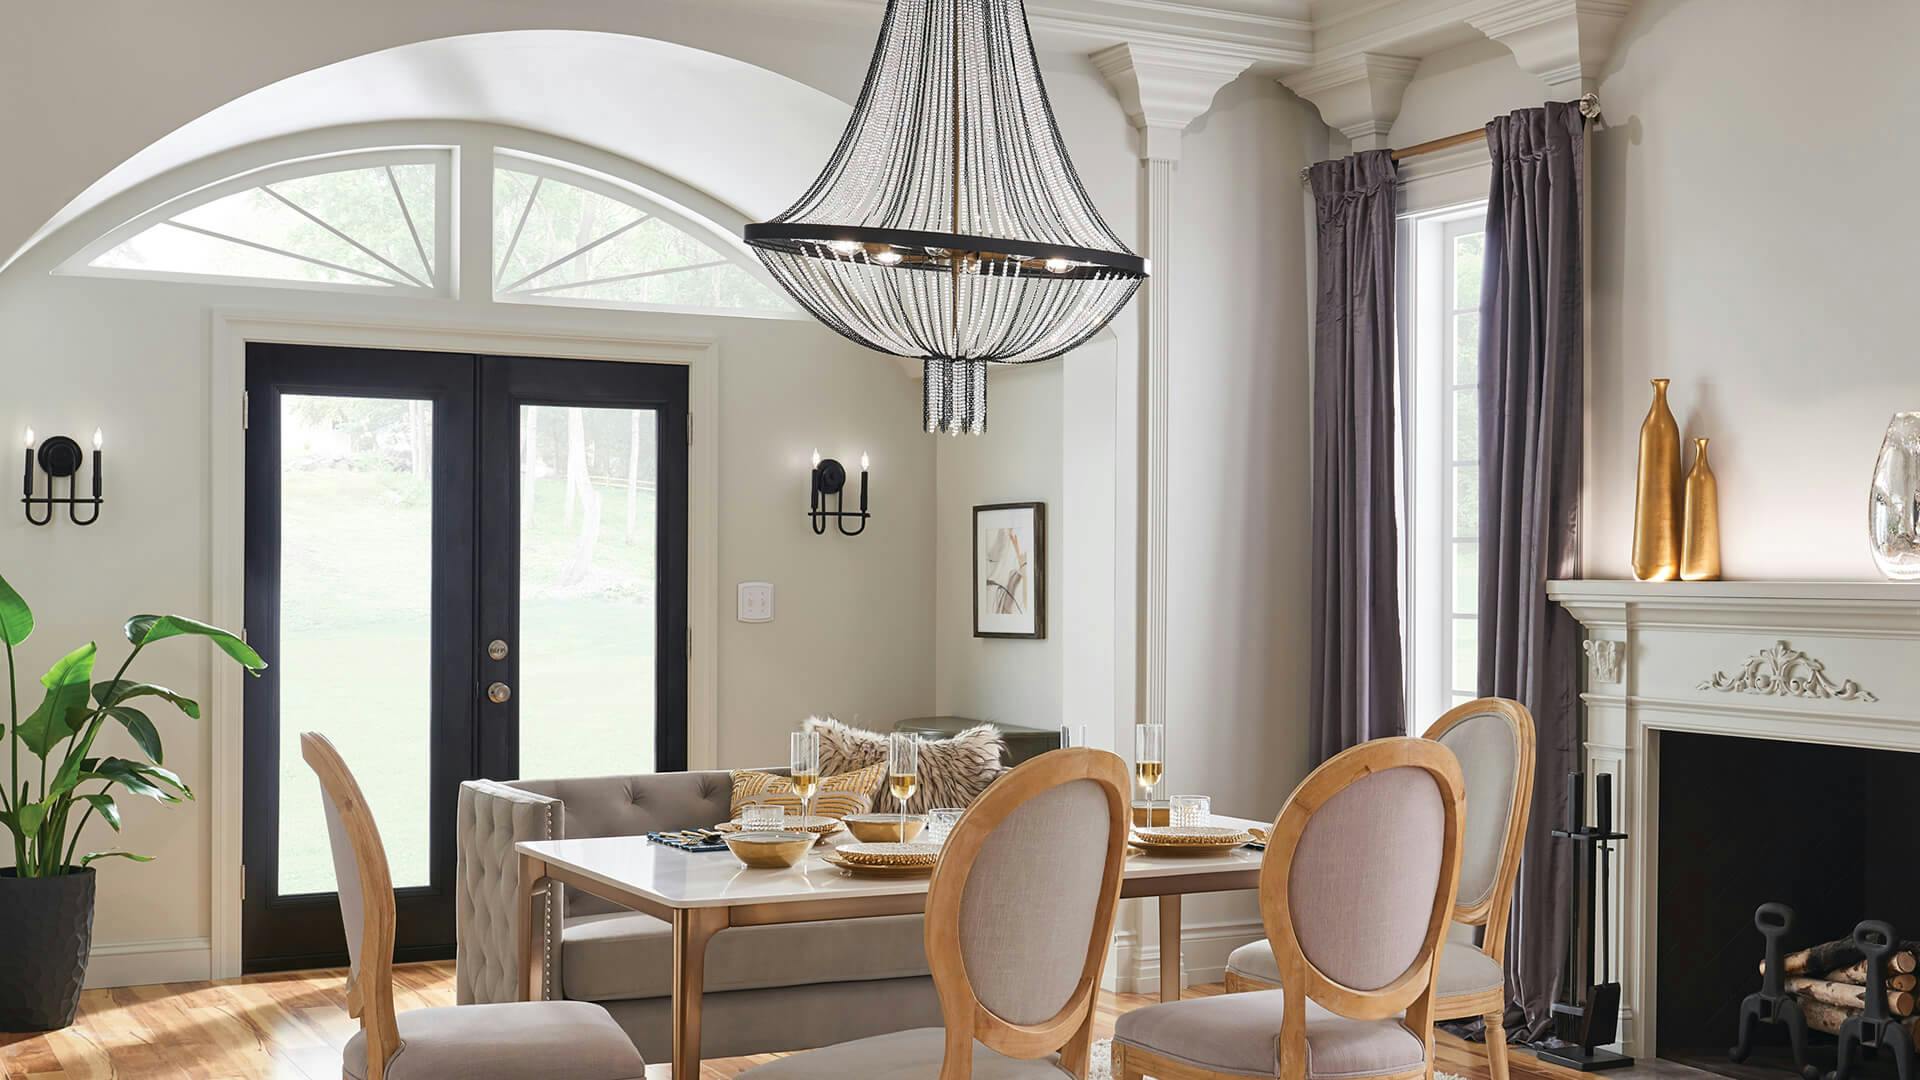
pixel 1700 545
pixel 1656 494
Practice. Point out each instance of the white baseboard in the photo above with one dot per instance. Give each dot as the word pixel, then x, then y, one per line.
pixel 1134 966
pixel 139 962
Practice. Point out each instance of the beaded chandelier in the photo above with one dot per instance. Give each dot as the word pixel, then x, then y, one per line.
pixel 950 224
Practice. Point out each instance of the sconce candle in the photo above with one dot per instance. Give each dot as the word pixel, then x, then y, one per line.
pixel 830 481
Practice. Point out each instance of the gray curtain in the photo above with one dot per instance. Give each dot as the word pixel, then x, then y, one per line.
pixel 1531 339
pixel 1356 691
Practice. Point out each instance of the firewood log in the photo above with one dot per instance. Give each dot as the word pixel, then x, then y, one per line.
pixel 1828 1018
pixel 1846 995
pixel 1840 954
pixel 1857 974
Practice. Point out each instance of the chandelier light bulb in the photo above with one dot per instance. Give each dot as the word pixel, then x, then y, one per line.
pixel 1058 266
pixel 846 247
pixel 889 257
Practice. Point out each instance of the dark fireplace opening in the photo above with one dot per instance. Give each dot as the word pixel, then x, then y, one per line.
pixel 1833 832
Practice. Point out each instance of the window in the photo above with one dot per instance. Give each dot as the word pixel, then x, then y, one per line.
pixel 366 220
pixel 1441 437
pixel 560 235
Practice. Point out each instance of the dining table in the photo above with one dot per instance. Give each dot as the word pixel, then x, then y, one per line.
pixel 702 893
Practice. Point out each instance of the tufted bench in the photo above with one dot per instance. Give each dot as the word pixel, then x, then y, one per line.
pixel 769 988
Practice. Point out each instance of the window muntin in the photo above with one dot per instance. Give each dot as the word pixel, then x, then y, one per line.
pixel 371 219
pixel 562 236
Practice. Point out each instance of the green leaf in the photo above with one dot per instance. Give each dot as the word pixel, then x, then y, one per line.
pixel 16 619
pixel 147 629
pixel 55 719
pixel 114 693
pixel 142 729
pixel 128 775
pixel 30 816
pixel 104 805
pixel 87 860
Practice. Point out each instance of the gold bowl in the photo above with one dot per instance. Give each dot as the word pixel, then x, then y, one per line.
pixel 881 828
pixel 769 850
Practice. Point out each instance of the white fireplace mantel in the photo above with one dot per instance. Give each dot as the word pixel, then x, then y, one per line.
pixel 1833 662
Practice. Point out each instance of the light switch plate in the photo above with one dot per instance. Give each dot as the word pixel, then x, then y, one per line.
pixel 756 601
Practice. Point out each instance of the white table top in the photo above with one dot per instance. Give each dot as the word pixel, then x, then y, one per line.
pixel 682 879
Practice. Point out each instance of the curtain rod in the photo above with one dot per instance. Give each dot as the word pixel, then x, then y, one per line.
pixel 1589 108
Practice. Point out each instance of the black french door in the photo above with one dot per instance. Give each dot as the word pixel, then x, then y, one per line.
pixel 458 566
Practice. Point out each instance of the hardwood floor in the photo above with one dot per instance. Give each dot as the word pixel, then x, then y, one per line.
pixel 292 1026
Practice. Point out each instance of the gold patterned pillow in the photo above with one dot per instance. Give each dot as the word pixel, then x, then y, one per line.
pixel 838 795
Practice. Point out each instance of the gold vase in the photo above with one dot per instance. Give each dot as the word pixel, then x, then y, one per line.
pixel 1700 545
pixel 1656 494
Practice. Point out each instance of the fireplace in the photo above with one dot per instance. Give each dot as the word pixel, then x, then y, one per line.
pixel 1757 734
pixel 1831 831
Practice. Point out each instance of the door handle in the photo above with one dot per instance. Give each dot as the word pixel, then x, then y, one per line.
pixel 499 693
pixel 496 649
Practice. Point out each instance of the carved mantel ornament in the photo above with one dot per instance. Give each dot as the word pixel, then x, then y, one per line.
pixel 1784 671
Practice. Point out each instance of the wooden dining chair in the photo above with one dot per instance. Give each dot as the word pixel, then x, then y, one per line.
pixel 1355 891
pixel 1494 740
pixel 1019 915
pixel 555 1040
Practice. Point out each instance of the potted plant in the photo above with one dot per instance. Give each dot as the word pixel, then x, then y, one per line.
pixel 46 896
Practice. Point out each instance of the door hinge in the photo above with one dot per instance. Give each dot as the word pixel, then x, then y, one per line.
pixel 246 410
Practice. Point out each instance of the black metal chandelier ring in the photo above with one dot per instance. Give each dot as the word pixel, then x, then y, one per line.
pixel 923 250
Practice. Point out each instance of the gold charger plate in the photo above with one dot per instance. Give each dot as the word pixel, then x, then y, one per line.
pixel 890 854
pixel 1200 840
pixel 832 858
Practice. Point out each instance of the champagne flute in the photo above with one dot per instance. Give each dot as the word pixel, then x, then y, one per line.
pixel 803 762
pixel 1149 760
pixel 903 772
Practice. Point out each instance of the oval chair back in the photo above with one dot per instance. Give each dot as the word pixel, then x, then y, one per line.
pixel 1358 885
pixel 1494 740
pixel 366 899
pixel 1020 909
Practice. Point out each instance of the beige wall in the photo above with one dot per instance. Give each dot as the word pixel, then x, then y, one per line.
pixel 1746 244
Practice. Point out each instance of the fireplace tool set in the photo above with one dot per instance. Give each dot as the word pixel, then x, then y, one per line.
pixel 1592 1021
pixel 1862 1035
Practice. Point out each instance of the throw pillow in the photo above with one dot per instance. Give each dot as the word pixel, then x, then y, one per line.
pixel 849 792
pixel 953 772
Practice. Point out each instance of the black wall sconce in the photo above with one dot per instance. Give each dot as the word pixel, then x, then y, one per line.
pixel 830 479
pixel 60 457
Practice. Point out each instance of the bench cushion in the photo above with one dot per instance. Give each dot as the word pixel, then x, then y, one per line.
pixel 626 955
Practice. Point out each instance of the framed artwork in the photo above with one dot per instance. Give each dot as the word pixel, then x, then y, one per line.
pixel 1010 570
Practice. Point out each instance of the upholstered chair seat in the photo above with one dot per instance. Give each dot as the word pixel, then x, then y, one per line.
pixel 905 1055
pixel 1240 1033
pixel 554 1040
pixel 1463 968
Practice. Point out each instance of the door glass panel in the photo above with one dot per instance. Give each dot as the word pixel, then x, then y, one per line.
pixel 356 561
pixel 588 585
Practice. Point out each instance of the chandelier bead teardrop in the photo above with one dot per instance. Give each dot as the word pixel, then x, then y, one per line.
pixel 949 224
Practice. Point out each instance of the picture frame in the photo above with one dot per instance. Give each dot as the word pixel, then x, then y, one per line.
pixel 1010 570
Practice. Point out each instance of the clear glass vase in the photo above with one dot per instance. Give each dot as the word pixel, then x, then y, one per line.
pixel 1893 506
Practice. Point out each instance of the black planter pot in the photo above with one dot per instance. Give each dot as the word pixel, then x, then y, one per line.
pixel 47 925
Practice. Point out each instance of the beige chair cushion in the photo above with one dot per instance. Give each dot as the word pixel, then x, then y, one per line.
pixel 555 1040
pixel 1463 968
pixel 628 955
pixel 903 1055
pixel 1240 1033
pixel 1488 748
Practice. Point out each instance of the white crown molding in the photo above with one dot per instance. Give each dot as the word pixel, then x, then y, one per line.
pixel 1563 42
pixel 1165 89
pixel 1358 95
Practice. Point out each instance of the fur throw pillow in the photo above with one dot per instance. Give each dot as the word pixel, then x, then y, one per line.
pixel 953 772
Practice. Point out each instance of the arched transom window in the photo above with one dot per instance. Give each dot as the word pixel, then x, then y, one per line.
pixel 383 220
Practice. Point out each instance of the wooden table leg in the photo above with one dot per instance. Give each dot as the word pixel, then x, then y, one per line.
pixel 531 942
pixel 692 929
pixel 1170 947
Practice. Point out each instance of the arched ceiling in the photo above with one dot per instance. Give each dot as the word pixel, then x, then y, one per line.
pixel 747 136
